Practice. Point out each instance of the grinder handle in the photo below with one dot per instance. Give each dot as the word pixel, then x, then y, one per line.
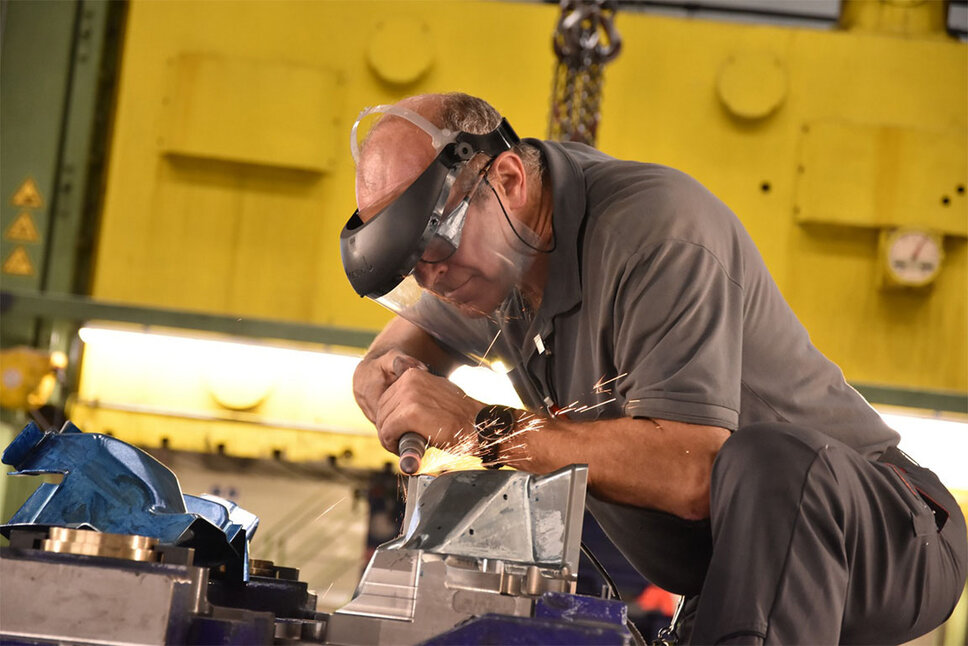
pixel 410 446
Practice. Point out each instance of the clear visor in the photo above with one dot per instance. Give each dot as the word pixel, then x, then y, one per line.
pixel 487 244
pixel 474 336
pixel 456 200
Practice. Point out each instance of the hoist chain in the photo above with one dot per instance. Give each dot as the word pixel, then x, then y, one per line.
pixel 584 41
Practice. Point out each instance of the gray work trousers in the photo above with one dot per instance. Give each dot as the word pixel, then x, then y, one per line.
pixel 814 544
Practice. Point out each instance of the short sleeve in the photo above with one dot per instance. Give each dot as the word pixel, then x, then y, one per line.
pixel 678 334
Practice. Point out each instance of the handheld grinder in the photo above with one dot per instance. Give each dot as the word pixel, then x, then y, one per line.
pixel 410 446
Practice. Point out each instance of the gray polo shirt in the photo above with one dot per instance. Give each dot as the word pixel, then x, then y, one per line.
pixel 658 304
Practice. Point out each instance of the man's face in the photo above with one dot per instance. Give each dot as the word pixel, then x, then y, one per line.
pixel 485 267
pixel 488 262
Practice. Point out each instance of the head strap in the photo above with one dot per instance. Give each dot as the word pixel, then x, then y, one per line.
pixel 439 137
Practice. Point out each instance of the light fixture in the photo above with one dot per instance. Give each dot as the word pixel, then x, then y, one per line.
pixel 239 374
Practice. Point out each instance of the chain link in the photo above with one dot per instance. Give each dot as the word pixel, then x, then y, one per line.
pixel 584 41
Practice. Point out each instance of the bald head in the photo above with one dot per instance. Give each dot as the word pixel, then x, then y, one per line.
pixel 394 153
pixel 398 151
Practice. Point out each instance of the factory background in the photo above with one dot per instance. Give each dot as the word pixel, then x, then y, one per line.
pixel 174 176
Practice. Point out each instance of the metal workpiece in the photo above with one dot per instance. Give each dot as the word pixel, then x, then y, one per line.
pixel 271 570
pixel 289 631
pixel 161 599
pixel 180 580
pixel 111 486
pixel 475 543
pixel 491 555
pixel 91 543
pixel 498 515
pixel 53 597
pixel 289 603
pixel 270 589
pixel 406 597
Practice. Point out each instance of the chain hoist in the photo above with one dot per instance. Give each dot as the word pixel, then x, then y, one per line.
pixel 584 41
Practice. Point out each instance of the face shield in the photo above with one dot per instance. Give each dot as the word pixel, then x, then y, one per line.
pixel 425 222
pixel 471 260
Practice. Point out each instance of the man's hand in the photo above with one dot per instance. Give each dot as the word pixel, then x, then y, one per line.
pixel 374 375
pixel 399 346
pixel 431 406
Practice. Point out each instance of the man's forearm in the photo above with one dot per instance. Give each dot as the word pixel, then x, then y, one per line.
pixel 659 464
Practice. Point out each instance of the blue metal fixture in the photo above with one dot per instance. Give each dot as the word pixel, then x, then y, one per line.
pixel 111 486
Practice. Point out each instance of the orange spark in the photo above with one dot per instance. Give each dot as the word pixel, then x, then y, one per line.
pixel 330 508
pixel 599 386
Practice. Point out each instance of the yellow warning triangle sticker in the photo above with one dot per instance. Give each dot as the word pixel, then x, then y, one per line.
pixel 18 263
pixel 28 195
pixel 23 229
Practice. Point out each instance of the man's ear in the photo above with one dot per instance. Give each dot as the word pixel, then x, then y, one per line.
pixel 507 170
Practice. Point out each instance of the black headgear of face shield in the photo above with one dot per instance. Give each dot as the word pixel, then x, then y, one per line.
pixel 380 253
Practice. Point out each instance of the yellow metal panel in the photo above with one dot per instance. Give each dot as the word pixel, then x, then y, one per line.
pixel 666 110
pixel 883 176
pixel 894 344
pixel 240 110
pixel 401 50
pixel 261 241
pixel 752 85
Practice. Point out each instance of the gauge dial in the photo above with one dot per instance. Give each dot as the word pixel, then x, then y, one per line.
pixel 913 257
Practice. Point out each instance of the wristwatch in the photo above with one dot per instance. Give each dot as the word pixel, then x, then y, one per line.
pixel 493 423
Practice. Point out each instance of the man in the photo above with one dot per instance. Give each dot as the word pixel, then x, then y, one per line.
pixel 728 459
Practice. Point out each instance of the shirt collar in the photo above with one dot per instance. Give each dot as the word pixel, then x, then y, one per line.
pixel 563 288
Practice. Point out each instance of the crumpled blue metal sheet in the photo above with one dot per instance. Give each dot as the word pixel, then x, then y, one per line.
pixel 111 486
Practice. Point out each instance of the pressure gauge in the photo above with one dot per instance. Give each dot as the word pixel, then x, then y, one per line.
pixel 911 257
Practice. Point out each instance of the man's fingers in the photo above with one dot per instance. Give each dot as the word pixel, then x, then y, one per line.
pixel 399 419
pixel 401 408
pixel 374 375
pixel 402 363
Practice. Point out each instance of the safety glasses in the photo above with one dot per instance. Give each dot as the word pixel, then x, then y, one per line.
pixel 447 238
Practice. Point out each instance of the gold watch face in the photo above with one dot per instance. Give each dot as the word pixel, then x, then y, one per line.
pixel 913 256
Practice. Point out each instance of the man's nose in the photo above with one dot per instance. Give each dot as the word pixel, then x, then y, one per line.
pixel 428 273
